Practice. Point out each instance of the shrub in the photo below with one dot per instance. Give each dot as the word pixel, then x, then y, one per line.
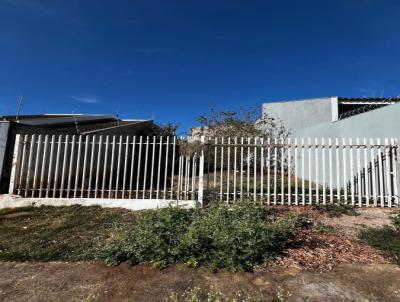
pixel 337 209
pixel 396 221
pixel 235 237
pixel 386 239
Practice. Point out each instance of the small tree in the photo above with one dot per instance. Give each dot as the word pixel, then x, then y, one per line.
pixel 247 122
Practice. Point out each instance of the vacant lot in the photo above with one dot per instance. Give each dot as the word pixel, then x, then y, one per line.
pixel 60 247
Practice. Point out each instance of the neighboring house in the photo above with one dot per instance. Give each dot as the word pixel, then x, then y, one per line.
pixel 333 117
pixel 55 124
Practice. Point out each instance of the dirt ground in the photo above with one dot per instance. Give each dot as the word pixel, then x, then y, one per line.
pixel 56 281
pixel 318 266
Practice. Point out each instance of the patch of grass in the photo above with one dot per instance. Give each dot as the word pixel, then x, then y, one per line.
pixel 233 237
pixel 58 233
pixel 195 294
pixel 386 239
pixel 395 218
pixel 336 209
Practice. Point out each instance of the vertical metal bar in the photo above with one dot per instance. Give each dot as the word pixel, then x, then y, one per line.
pixel 366 174
pixel 255 170
pixel 316 172
pixel 310 197
pixel 103 185
pixel 70 165
pixel 166 168
pixel 289 173
pixel 57 165
pixel 145 167
pixel 78 165
pixel 91 165
pixel 215 162
pixel 330 171
pixel 173 167
pixel 228 170
pixel 110 185
pixel 338 193
pixel 178 186
pixel 269 171
pixel 132 167
pixel 28 173
pixel 241 167
pixel 152 166
pixel 282 172
pixel 373 175
pixel 262 171
pixel 222 170
pixel 64 165
pixel 22 168
pixel 381 177
pixel 118 167
pixel 394 167
pixel 303 168
pixel 235 169
pixel 345 170
pixel 46 139
pixel 351 172
pixel 84 165
pixel 248 166
pixel 323 172
pixel 125 166
pixel 275 170
pixel 296 174
pixel 48 186
pixel 159 167
pixel 98 166
pixel 359 173
pixel 37 161
pixel 201 172
pixel 388 174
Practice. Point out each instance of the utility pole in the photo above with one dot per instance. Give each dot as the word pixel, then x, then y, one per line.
pixel 21 99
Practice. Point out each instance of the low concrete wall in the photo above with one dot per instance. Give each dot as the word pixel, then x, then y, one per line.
pixel 13 201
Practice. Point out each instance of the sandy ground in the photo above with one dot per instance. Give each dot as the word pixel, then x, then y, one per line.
pixel 96 282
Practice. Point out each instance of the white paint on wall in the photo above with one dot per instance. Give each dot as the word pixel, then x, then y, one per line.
pixel 4 126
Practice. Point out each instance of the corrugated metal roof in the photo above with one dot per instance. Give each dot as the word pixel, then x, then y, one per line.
pixel 65 120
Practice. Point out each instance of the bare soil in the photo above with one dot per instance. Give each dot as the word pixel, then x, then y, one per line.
pixel 84 281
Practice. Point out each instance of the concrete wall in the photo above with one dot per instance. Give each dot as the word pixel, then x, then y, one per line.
pixel 4 126
pixel 378 123
pixel 303 113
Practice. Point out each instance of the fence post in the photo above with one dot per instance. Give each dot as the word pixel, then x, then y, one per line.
pixel 201 173
pixel 15 164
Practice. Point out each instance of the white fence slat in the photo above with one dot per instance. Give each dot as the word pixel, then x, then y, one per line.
pixel 235 169
pixel 395 159
pixel 78 165
pixel 28 174
pixel 366 173
pixel 282 172
pixel 262 160
pixel 269 171
pixel 228 169
pixel 255 170
pixel 71 161
pixel 388 174
pixel 14 164
pixel 125 167
pixel 359 189
pixel 344 170
pixel 303 169
pixel 173 167
pixel 352 175
pixel 110 185
pixel 98 166
pixel 132 167
pixel 296 173
pixel 159 167
pixel 241 167
pixel 145 166
pixel 42 176
pixel 289 171
pixel 49 173
pixel 330 170
pixel 37 161
pixel 316 172
pixel 323 163
pixel 103 185
pixel 118 167
pixel 84 166
pixel 310 195
pixel 91 166
pixel 275 170
pixel 373 173
pixel 381 174
pixel 22 166
pixel 57 166
pixel 337 153
pixel 248 166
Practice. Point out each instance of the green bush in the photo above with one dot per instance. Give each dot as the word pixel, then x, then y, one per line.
pixel 234 237
pixel 386 239
pixel 337 209
pixel 396 221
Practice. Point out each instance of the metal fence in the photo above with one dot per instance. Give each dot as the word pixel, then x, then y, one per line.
pixel 361 172
pixel 120 167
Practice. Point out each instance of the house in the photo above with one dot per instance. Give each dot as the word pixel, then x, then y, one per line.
pixel 56 124
pixel 333 117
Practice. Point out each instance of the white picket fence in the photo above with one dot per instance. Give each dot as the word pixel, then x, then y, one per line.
pixel 360 172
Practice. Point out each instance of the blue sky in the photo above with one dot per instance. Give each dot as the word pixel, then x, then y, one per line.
pixel 175 59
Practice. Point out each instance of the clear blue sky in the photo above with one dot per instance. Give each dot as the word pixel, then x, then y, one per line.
pixel 177 58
